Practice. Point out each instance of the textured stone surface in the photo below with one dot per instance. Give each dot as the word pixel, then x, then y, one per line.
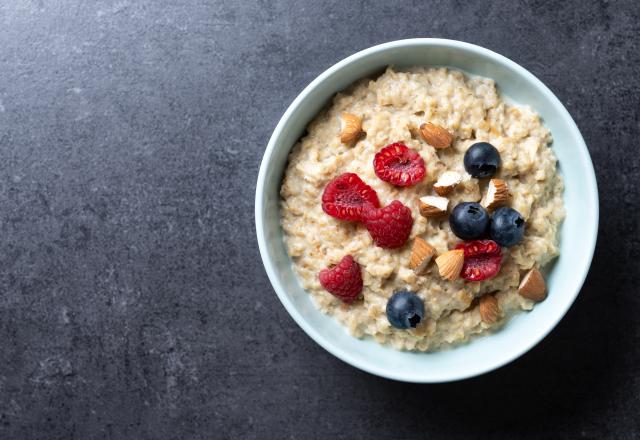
pixel 133 303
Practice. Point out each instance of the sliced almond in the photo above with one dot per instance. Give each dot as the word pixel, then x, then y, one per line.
pixel 447 182
pixel 489 309
pixel 421 254
pixel 436 136
pixel 433 206
pixel 533 286
pixel 497 194
pixel 351 128
pixel 450 264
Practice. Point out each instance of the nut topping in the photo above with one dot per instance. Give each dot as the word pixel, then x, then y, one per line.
pixel 351 128
pixel 489 309
pixel 447 182
pixel 497 194
pixel 450 264
pixel 421 255
pixel 436 136
pixel 433 206
pixel 533 286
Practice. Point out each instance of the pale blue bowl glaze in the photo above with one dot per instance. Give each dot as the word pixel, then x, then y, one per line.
pixel 578 232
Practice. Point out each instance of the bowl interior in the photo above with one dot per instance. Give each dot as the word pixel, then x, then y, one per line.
pixel 578 232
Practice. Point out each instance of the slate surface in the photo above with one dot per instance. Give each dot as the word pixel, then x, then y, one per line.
pixel 133 302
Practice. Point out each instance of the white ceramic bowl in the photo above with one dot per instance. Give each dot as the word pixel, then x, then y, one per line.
pixel 577 237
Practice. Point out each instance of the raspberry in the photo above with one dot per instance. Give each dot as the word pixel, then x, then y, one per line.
pixel 346 195
pixel 482 259
pixel 389 226
pixel 399 165
pixel 344 280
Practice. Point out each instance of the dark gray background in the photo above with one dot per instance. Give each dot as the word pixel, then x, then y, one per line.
pixel 133 302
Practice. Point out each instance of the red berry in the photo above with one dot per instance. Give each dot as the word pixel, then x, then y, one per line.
pixel 346 195
pixel 482 259
pixel 344 280
pixel 389 226
pixel 399 165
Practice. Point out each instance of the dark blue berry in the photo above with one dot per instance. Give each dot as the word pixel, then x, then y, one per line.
pixel 482 160
pixel 405 310
pixel 469 220
pixel 507 227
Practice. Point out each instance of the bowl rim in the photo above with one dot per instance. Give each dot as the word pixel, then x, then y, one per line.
pixel 325 343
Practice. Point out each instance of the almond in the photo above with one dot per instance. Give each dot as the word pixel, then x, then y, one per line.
pixel 433 206
pixel 497 194
pixel 533 286
pixel 436 136
pixel 450 264
pixel 351 128
pixel 489 309
pixel 421 255
pixel 447 182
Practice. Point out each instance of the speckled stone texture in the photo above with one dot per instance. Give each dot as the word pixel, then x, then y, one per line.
pixel 133 302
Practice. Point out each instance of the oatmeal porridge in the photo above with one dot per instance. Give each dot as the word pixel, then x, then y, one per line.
pixel 404 255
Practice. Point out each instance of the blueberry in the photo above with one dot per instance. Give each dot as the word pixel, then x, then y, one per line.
pixel 507 227
pixel 405 310
pixel 482 160
pixel 469 220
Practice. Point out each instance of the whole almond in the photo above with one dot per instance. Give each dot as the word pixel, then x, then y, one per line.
pixel 489 309
pixel 435 135
pixel 450 264
pixel 421 254
pixel 351 128
pixel 533 286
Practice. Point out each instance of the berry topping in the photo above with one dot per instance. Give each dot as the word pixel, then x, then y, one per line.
pixel 389 226
pixel 482 160
pixel 507 227
pixel 482 259
pixel 344 280
pixel 399 165
pixel 346 195
pixel 469 220
pixel 405 310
